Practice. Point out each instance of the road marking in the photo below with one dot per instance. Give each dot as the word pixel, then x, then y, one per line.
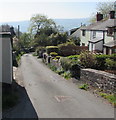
pixel 61 98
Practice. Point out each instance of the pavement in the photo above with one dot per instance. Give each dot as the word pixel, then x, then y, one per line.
pixel 24 108
pixel 55 97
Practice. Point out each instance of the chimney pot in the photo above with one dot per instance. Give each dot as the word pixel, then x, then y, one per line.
pixel 99 16
pixel 112 14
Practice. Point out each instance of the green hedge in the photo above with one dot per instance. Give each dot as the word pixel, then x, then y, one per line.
pixel 110 64
pixel 67 63
pixel 67 49
pixel 101 61
pixel 50 49
pixel 87 59
pixel 53 54
pixel 74 57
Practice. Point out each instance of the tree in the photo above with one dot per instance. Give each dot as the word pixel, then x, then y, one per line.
pixel 25 40
pixel 104 8
pixel 39 22
pixel 58 38
pixel 75 40
pixel 41 40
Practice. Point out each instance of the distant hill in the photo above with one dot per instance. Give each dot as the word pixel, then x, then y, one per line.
pixel 67 24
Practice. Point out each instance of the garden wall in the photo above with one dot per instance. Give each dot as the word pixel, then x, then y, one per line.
pixel 99 79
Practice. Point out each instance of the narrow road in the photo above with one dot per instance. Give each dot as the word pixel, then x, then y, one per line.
pixel 54 97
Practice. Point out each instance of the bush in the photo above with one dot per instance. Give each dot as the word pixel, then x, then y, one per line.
pixel 74 57
pixel 60 71
pixel 65 63
pixel 110 64
pixel 52 67
pixel 39 51
pixel 50 49
pixel 67 49
pixel 67 75
pixel 87 59
pixel 101 60
pixel 58 57
pixel 53 54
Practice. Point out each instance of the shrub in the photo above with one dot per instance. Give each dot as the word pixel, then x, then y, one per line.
pixel 50 49
pixel 87 59
pixel 67 49
pixel 53 54
pixel 58 57
pixel 71 65
pixel 101 60
pixel 39 51
pixel 74 57
pixel 110 64
pixel 65 63
pixel 67 75
pixel 52 67
pixel 60 71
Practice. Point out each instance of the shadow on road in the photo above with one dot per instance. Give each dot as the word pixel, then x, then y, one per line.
pixel 23 109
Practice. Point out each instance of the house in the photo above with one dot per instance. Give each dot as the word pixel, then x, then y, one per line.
pixel 76 33
pixel 5 58
pixel 6 67
pixel 99 36
pixel 73 31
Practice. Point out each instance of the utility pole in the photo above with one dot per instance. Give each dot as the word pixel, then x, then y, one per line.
pixel 18 31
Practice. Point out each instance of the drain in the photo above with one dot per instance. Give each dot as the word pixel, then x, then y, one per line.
pixel 61 98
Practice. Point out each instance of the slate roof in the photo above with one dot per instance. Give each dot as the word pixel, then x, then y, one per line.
pixel 110 44
pixel 95 40
pixel 77 32
pixel 101 25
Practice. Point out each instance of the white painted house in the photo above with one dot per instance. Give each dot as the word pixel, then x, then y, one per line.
pixel 6 70
pixel 100 34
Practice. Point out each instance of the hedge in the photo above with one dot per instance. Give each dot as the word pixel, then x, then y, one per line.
pixel 101 60
pixel 50 49
pixel 67 49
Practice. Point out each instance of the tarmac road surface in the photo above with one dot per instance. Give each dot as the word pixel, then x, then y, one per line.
pixel 54 97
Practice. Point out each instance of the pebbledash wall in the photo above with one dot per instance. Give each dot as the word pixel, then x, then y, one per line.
pixel 99 79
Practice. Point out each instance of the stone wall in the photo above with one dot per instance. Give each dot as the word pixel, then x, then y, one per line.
pixel 99 79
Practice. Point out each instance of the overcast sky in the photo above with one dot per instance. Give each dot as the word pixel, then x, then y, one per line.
pixel 19 10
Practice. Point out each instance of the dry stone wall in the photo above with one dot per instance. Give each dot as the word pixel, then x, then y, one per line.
pixel 99 79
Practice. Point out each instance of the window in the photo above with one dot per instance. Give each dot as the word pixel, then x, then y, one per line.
pixel 94 34
pixel 83 33
pixel 114 51
pixel 110 31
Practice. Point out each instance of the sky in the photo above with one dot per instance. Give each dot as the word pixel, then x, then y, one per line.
pixel 20 10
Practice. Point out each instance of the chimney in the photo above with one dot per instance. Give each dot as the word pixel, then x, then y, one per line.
pixel 99 16
pixel 112 15
pixel 12 31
